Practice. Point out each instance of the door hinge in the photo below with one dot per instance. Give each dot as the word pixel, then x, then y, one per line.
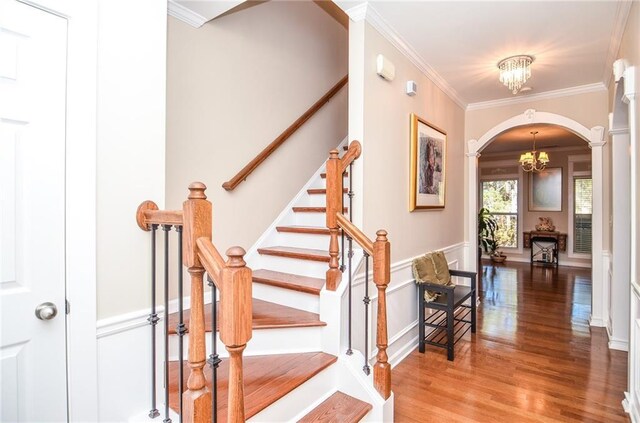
pixel 67 306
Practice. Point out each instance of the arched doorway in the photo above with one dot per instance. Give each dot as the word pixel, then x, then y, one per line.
pixel 595 138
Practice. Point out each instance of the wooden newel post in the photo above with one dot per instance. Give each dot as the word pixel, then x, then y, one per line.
pixel 197 224
pixel 334 206
pixel 382 277
pixel 235 325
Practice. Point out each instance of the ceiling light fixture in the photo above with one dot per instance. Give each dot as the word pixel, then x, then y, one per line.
pixel 514 71
pixel 532 161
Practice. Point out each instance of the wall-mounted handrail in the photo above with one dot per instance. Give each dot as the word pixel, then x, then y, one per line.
pixel 268 150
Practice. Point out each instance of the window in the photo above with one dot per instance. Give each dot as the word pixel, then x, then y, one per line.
pixel 582 207
pixel 501 198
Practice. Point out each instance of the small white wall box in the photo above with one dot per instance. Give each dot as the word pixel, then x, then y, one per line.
pixel 412 88
pixel 385 68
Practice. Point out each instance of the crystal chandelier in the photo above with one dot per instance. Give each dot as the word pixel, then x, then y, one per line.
pixel 532 161
pixel 514 71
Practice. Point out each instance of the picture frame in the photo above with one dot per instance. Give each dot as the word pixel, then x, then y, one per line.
pixel 545 190
pixel 428 160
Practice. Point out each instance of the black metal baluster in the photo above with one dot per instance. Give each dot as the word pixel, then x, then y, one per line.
pixel 214 359
pixel 166 229
pixel 180 329
pixel 350 256
pixel 366 302
pixel 343 267
pixel 350 194
pixel 153 320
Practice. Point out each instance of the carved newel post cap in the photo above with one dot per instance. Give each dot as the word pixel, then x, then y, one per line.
pixel 333 154
pixel 236 255
pixel 382 235
pixel 196 191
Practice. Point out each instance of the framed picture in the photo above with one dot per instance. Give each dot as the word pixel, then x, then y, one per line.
pixel 427 162
pixel 545 190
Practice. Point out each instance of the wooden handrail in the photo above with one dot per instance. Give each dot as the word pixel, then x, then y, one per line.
pixel 354 151
pixel 148 214
pixel 211 259
pixel 253 164
pixel 356 234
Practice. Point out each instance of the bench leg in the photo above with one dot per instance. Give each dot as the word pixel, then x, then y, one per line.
pixel 473 313
pixel 421 319
pixel 450 340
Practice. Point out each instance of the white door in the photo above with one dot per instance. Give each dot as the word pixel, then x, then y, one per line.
pixel 32 214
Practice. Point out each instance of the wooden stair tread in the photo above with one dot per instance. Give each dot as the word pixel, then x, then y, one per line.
pixel 266 379
pixel 324 175
pixel 297 253
pixel 313 191
pixel 315 230
pixel 289 281
pixel 266 315
pixel 314 209
pixel 339 407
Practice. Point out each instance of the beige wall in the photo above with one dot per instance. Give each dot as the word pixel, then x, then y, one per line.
pixel 130 147
pixel 588 109
pixel 233 86
pixel 386 155
pixel 558 158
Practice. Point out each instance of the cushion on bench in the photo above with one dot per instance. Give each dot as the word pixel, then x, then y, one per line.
pixel 431 268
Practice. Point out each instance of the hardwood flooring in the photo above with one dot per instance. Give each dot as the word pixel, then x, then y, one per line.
pixel 534 357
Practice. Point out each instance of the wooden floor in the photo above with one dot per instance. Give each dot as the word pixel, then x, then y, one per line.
pixel 534 358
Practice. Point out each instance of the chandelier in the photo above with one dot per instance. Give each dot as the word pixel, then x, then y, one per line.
pixel 514 71
pixel 532 161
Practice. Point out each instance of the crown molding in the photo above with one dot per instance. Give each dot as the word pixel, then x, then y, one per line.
pixel 622 14
pixel 188 16
pixel 564 92
pixel 386 30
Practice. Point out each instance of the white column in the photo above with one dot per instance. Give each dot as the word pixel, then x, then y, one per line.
pixel 599 305
pixel 618 322
pixel 471 252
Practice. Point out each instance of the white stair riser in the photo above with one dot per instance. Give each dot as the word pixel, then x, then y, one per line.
pixel 310 219
pixel 295 239
pixel 316 269
pixel 318 200
pixel 263 342
pixel 287 297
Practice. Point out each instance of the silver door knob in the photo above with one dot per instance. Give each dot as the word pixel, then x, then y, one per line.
pixel 46 311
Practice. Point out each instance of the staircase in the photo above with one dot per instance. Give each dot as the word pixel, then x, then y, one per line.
pixel 294 367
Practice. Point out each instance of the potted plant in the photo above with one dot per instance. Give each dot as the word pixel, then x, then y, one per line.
pixel 487 225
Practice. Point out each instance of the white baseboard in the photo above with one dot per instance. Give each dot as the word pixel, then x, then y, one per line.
pixel 618 344
pixel 597 322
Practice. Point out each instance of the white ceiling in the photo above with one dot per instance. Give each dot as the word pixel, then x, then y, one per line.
pixel 459 43
pixel 573 42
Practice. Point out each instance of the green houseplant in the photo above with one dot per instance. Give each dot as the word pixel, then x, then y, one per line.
pixel 487 225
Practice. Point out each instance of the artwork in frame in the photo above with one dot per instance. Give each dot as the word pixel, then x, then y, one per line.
pixel 545 190
pixel 428 165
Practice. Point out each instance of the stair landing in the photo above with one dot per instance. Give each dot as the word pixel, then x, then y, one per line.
pixel 266 379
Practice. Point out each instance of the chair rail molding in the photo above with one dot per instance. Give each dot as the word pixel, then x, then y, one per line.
pixel 595 138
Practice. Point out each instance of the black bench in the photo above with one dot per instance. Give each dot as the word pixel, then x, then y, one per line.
pixel 450 309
